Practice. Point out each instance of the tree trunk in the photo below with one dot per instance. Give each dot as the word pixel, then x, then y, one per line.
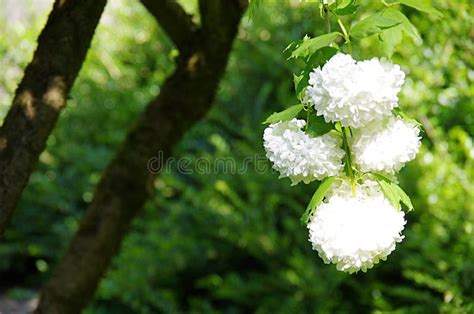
pixel 62 47
pixel 127 182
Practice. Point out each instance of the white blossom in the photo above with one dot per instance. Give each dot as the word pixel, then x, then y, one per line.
pixel 300 157
pixel 354 93
pixel 385 145
pixel 355 230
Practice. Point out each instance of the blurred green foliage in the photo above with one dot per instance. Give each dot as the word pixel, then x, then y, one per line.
pixel 232 242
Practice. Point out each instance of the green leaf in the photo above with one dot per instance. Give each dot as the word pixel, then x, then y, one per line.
pixel 386 186
pixel 403 196
pixel 399 112
pixel 284 115
pixel 320 57
pixel 405 25
pixel 317 126
pixel 423 6
pixel 372 25
pixel 308 47
pixel 393 192
pixel 317 59
pixel 289 49
pixel 390 193
pixel 300 82
pixel 317 198
pixel 381 177
pixel 347 7
pixel 390 39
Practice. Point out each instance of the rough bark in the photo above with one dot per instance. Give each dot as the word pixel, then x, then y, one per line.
pixel 174 20
pixel 62 47
pixel 127 183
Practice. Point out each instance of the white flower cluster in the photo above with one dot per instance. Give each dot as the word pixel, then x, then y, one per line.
pixel 354 227
pixel 385 145
pixel 362 95
pixel 354 93
pixel 300 157
pixel 355 230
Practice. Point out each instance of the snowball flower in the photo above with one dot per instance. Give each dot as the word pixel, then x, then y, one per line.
pixel 355 231
pixel 385 145
pixel 300 157
pixel 354 93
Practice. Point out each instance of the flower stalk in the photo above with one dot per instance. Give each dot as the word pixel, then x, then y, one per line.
pixel 348 157
pixel 346 35
pixel 345 130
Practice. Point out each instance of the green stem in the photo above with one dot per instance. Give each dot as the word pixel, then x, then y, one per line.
pixel 346 35
pixel 345 143
pixel 346 131
pixel 326 17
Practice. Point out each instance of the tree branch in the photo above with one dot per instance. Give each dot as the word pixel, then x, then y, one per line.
pixel 127 182
pixel 174 20
pixel 212 17
pixel 41 95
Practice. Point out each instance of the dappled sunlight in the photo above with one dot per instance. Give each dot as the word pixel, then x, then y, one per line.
pixel 3 142
pixel 194 62
pixel 55 96
pixel 21 22
pixel 27 102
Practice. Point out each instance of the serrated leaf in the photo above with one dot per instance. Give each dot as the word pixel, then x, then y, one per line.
pixel 308 47
pixel 317 198
pixel 405 25
pixel 402 196
pixel 372 25
pixel 347 7
pixel 284 115
pixel 423 6
pixel 392 37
